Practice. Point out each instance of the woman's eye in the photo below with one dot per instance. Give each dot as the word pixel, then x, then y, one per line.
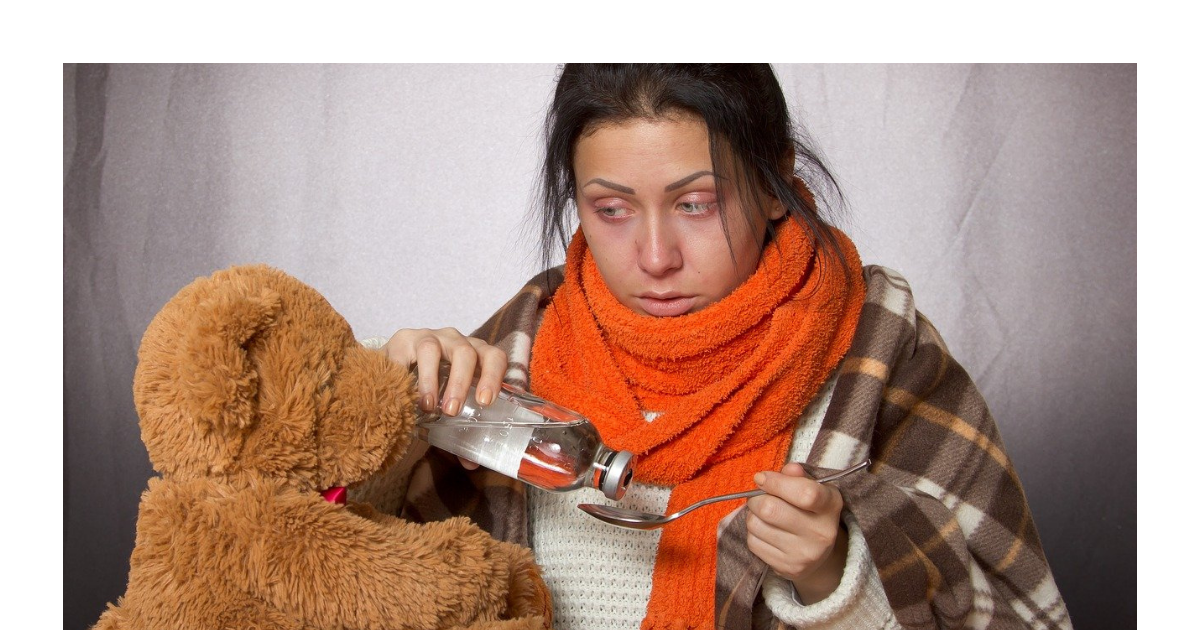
pixel 695 207
pixel 611 211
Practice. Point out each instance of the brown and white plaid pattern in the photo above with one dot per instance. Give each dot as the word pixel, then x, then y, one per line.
pixel 942 510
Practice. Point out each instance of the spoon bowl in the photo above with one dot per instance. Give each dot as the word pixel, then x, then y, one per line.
pixel 633 519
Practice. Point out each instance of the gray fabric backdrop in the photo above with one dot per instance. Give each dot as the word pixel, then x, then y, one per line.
pixel 1006 194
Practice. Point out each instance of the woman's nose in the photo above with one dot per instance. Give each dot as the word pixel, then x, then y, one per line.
pixel 658 248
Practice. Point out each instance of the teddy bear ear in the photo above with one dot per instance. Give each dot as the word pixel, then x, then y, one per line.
pixel 219 380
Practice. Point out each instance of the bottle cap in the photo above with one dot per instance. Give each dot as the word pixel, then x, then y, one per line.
pixel 617 475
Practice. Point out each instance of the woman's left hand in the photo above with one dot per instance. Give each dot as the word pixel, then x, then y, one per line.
pixel 796 528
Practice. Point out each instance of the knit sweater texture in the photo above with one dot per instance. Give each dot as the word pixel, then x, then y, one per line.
pixel 599 576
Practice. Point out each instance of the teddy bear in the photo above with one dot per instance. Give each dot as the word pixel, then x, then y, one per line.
pixel 258 409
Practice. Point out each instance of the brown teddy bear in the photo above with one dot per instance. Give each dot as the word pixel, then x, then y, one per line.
pixel 258 408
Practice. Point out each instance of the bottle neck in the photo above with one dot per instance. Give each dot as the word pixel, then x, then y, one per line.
pixel 612 471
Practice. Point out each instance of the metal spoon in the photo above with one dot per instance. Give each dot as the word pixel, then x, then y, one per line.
pixel 641 520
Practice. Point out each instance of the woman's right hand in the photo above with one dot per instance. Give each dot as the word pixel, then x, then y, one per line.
pixel 426 349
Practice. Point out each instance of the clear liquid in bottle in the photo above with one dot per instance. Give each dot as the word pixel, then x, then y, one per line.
pixel 533 440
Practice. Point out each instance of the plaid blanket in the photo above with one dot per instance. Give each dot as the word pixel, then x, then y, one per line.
pixel 942 510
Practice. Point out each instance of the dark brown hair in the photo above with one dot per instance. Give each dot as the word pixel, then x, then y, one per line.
pixel 754 144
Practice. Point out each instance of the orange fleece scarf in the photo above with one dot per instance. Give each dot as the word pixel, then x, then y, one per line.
pixel 729 382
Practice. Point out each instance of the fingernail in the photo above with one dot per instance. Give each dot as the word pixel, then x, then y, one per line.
pixel 760 478
pixel 428 402
pixel 484 396
pixel 452 407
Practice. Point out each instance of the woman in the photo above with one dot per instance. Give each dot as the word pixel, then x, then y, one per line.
pixel 710 320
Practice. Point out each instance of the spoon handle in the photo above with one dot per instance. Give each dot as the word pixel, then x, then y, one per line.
pixel 842 473
pixel 753 493
pixel 722 497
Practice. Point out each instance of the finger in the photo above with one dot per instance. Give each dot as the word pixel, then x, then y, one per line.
pixel 790 553
pixel 791 564
pixel 784 553
pixel 788 528
pixel 463 358
pixel 399 347
pixel 801 492
pixel 492 364
pixel 768 553
pixel 793 469
pixel 774 512
pixel 468 464
pixel 428 353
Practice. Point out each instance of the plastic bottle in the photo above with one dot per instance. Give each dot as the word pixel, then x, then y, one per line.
pixel 530 439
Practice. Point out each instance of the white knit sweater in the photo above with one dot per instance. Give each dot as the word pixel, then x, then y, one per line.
pixel 600 576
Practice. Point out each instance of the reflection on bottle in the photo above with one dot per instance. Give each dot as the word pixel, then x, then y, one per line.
pixel 531 439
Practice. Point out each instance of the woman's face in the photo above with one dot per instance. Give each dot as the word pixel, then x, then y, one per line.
pixel 648 208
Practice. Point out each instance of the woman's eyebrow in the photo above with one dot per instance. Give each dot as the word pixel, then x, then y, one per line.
pixel 686 180
pixel 603 182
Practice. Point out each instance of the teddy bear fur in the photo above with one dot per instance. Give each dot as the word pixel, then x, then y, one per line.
pixel 254 397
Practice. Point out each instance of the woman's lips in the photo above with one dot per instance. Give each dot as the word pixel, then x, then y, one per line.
pixel 666 306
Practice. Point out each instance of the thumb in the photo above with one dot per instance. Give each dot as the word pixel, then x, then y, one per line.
pixel 793 469
pixel 776 483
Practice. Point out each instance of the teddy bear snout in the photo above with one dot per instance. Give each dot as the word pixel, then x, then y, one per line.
pixel 371 419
